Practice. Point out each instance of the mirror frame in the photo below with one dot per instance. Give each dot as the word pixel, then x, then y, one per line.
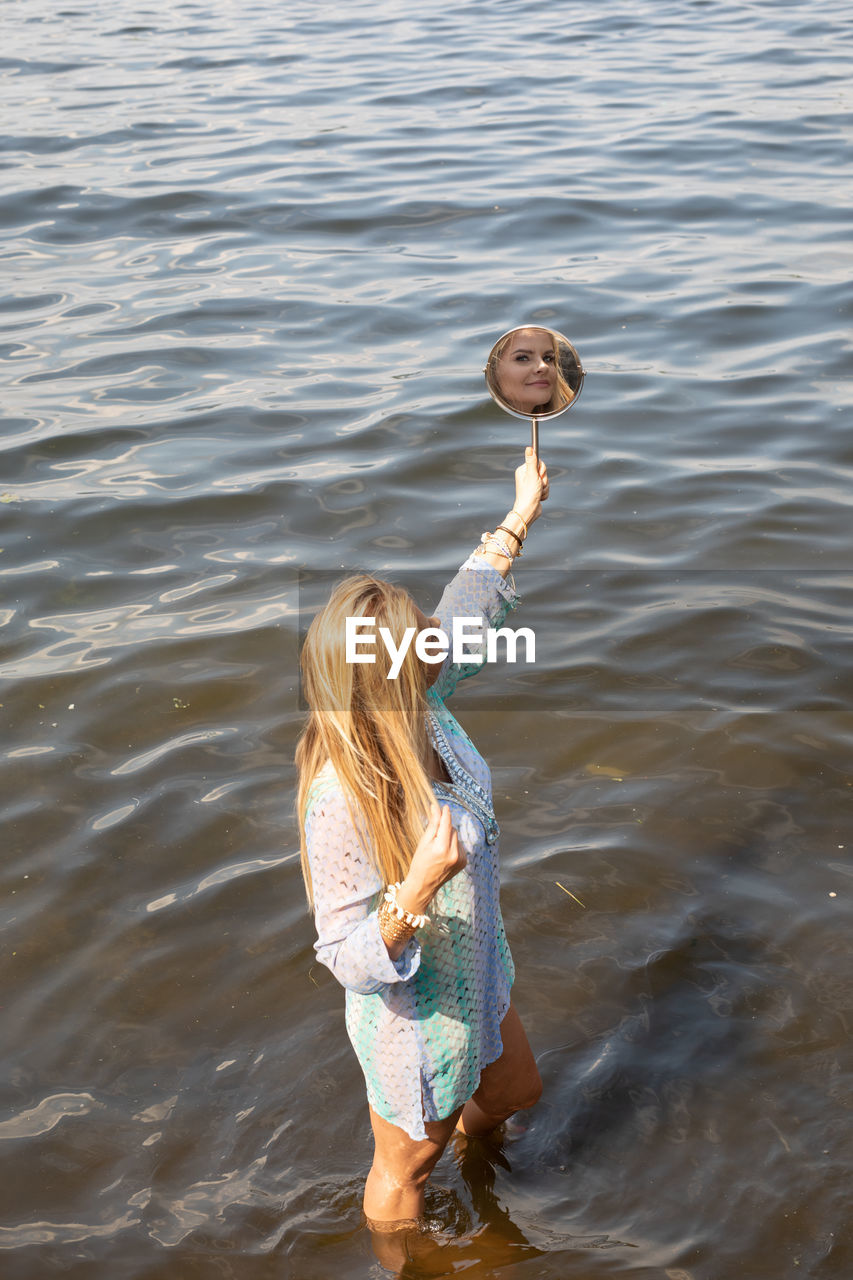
pixel 562 341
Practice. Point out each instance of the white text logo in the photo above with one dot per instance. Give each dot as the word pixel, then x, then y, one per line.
pixel 432 644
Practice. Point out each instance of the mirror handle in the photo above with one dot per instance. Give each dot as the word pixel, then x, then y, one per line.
pixel 534 437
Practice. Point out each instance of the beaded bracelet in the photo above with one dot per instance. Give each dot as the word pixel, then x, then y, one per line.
pixel 501 546
pixel 496 542
pixel 407 917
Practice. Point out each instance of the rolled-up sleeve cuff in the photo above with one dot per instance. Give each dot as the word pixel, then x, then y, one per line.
pixel 496 580
pixel 406 964
pixel 361 963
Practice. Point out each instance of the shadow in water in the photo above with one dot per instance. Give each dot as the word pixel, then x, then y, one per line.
pixel 480 1237
pixel 686 1027
pixel 681 1031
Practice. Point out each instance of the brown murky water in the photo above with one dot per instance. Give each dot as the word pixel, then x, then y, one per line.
pixel 254 262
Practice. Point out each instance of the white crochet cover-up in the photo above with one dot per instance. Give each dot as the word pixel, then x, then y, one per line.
pixel 424 1026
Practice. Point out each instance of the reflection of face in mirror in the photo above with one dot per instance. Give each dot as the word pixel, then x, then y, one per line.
pixel 525 368
pixel 534 372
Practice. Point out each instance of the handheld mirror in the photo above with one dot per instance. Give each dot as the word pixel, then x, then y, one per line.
pixel 534 373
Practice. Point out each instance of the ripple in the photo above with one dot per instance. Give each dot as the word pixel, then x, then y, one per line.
pixel 252 271
pixel 137 763
pixel 223 875
pixel 26 1235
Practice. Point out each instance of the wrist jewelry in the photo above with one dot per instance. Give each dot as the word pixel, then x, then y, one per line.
pixel 502 547
pixel 519 553
pixel 391 929
pixel 408 917
pixel 513 512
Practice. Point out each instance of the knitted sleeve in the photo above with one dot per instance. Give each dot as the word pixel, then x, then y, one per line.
pixel 478 591
pixel 346 884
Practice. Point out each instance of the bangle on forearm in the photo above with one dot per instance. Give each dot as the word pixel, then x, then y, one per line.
pixel 513 512
pixel 515 535
pixel 390 928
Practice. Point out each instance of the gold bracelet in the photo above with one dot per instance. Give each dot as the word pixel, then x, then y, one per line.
pixel 513 512
pixel 392 929
pixel 489 539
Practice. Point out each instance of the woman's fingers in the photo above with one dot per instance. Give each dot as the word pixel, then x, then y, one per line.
pixel 438 823
pixel 438 856
pixel 447 834
pixel 534 469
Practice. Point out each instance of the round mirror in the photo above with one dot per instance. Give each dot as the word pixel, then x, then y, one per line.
pixel 534 372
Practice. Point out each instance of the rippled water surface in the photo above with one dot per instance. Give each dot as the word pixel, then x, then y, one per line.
pixel 253 259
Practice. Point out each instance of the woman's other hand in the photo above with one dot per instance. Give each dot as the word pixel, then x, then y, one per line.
pixel 437 859
pixel 531 487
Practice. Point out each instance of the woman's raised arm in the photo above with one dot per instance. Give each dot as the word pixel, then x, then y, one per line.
pixel 475 591
pixel 531 490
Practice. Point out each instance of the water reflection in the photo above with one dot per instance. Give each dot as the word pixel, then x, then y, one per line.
pixel 461 1231
pixel 299 221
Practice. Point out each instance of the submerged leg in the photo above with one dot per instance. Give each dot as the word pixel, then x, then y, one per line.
pixel 394 1191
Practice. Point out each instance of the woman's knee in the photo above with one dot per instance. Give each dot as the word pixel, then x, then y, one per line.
pixel 503 1098
pixel 406 1169
pixel 409 1161
pixel 532 1091
pixel 420 1162
pixel 525 1096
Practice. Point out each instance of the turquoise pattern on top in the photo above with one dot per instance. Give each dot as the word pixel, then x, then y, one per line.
pixel 424 1026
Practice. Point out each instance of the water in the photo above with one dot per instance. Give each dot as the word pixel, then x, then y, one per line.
pixel 254 258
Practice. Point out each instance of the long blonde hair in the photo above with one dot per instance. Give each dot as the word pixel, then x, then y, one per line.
pixel 370 728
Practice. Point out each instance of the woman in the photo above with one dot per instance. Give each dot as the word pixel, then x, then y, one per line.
pixel 526 370
pixel 404 888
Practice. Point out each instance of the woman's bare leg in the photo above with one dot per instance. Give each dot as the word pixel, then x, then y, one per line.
pixel 510 1084
pixel 394 1191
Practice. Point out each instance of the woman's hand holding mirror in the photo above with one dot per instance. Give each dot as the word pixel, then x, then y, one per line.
pixel 531 487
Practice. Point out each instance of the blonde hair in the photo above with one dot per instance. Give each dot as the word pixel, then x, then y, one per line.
pixel 562 394
pixel 370 728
